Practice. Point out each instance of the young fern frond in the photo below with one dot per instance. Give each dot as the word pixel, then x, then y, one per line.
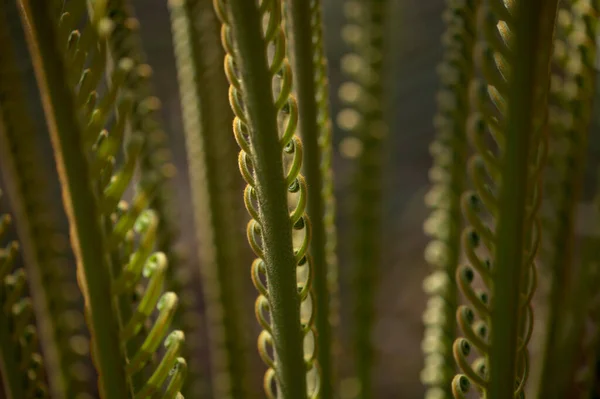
pixel 59 313
pixel 265 122
pixel 111 262
pixel 22 368
pixel 215 183
pixel 507 179
pixel 566 322
pixel 448 183
pixel 313 106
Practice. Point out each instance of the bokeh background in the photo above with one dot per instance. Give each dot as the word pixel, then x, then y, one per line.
pixel 414 50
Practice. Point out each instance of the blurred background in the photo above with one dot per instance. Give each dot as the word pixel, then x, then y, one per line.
pixel 414 51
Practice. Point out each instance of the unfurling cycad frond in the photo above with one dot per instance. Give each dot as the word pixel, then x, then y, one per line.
pixel 120 276
pixel 311 84
pixel 571 289
pixel 22 368
pixel 215 183
pixel 55 297
pixel 270 159
pixel 448 183
pixel 510 112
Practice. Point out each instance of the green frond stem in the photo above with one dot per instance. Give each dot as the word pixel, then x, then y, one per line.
pixel 215 183
pixel 78 195
pixel 40 237
pixel 516 248
pixel 22 368
pixel 312 90
pixel 448 183
pixel 251 76
pixel 365 120
pixel 568 313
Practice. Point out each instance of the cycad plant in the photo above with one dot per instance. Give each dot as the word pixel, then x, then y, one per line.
pixel 97 301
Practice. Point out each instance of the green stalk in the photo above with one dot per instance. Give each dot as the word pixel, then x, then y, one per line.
pixel 271 191
pixel 215 183
pixel 533 34
pixel 367 227
pixel 309 57
pixel 80 203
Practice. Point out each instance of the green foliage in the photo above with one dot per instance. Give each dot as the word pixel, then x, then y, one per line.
pixel 515 105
